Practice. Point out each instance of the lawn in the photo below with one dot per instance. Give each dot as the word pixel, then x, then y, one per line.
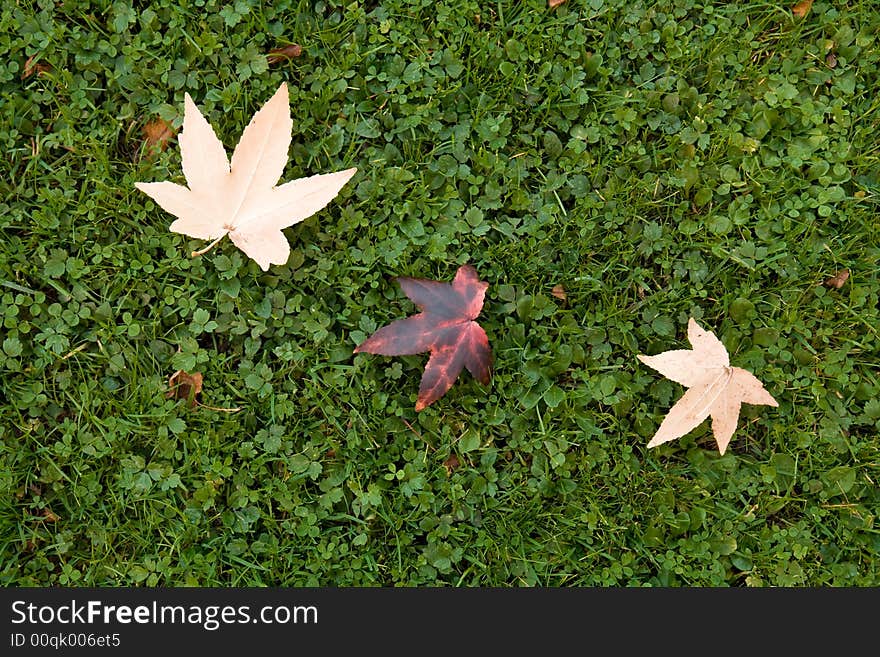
pixel 610 168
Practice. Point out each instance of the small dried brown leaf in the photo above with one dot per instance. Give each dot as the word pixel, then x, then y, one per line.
pixel 559 292
pixel 555 3
pixel 49 516
pixel 802 8
pixel 157 134
pixel 838 279
pixel 451 463
pixel 284 54
pixel 32 66
pixel 183 385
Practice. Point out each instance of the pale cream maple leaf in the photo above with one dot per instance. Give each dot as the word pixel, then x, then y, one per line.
pixel 714 388
pixel 240 199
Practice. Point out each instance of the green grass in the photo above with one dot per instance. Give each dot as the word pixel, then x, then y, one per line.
pixel 709 159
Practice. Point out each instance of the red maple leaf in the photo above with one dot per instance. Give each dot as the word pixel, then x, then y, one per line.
pixel 445 327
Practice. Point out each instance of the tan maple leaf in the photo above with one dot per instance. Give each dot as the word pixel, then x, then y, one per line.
pixel 240 198
pixel 714 388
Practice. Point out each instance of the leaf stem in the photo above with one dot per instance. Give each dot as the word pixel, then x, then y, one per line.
pixel 200 252
pixel 215 408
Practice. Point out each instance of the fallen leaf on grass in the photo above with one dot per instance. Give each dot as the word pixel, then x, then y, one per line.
pixel 555 3
pixel 240 198
pixel 802 8
pixel 452 463
pixel 32 66
pixel 559 292
pixel 838 279
pixel 714 388
pixel 278 55
pixel 446 327
pixel 183 385
pixel 50 516
pixel 157 134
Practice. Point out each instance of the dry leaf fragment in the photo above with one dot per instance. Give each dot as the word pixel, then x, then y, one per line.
pixel 559 292
pixel 838 279
pixel 451 464
pixel 32 66
pixel 802 8
pixel 555 3
pixel 239 198
pixel 278 55
pixel 183 385
pixel 714 388
pixel 50 516
pixel 157 134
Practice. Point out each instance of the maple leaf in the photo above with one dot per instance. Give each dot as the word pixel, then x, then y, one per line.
pixel 240 198
pixel 714 388
pixel 446 327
